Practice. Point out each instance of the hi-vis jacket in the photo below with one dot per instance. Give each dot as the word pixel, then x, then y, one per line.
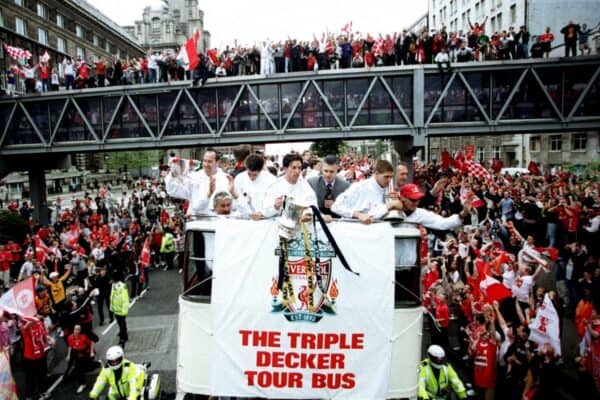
pixel 430 388
pixel 129 386
pixel 119 299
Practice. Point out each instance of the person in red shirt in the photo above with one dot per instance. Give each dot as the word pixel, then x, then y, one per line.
pixel 442 317
pixel 101 71
pixel 484 353
pixel 80 355
pixel 44 71
pixel 547 38
pixel 311 62
pixel 5 261
pixel 35 345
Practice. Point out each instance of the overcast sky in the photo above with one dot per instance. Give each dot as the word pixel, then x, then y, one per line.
pixel 255 20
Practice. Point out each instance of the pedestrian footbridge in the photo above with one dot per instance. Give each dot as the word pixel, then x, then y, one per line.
pixel 488 98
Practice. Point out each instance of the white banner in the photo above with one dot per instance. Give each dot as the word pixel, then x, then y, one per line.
pixel 545 328
pixel 336 343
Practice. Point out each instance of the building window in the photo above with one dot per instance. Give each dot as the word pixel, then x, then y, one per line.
pixel 493 24
pixel 513 14
pixel 579 141
pixel 555 143
pixel 60 45
pixel 107 46
pixel 60 21
pixel 1 19
pixel 80 53
pixel 499 21
pixel 42 36
pixel 95 40
pixel 155 25
pixel 78 31
pixel 41 10
pixel 21 27
pixel 497 152
pixel 535 143
pixel 19 2
pixel 483 7
pixel 477 12
pixel 480 154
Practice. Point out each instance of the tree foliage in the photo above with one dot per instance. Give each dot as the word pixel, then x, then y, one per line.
pixel 326 147
pixel 12 227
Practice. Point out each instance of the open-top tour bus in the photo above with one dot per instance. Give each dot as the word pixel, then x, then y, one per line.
pixel 196 335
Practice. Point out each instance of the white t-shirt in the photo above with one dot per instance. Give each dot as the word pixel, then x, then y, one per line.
pixel 521 288
pixel 253 191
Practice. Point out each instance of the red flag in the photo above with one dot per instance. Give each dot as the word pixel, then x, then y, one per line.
pixel 550 252
pixel 20 299
pixel 533 169
pixel 192 52
pixel 493 290
pixel 212 54
pixel 497 165
pixel 8 387
pixel 447 160
pixel 145 256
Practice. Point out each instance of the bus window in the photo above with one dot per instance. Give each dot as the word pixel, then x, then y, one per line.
pixel 197 282
pixel 407 271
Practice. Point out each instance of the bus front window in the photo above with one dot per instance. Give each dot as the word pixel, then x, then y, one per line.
pixel 199 248
pixel 407 262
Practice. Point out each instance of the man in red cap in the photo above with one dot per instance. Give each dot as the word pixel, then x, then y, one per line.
pixel 410 195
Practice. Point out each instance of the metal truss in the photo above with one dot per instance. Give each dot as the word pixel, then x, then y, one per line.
pixel 473 98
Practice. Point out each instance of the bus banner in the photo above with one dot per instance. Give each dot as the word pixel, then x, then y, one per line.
pixel 290 322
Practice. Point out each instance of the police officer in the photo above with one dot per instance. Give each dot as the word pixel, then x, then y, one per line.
pixel 437 378
pixel 125 379
pixel 119 306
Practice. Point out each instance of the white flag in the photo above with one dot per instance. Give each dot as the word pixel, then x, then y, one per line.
pixel 545 326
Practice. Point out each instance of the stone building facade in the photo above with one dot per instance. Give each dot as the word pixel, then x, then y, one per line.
pixel 63 28
pixel 167 28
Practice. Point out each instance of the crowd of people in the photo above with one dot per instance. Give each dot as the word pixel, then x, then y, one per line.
pixel 327 51
pixel 532 234
pixel 98 249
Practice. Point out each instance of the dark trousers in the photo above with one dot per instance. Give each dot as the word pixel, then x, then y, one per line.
pixel 169 259
pixel 80 365
pixel 35 376
pixel 571 46
pixel 101 79
pixel 121 321
pixel 102 300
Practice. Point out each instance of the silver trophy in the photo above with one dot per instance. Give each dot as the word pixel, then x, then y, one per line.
pixel 289 221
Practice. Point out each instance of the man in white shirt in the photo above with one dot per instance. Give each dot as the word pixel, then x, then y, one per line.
pixel 290 185
pixel 366 200
pixel 198 186
pixel 252 184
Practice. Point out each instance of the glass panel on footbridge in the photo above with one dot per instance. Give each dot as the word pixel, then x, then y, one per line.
pixel 457 105
pixel 185 119
pixel 355 91
pixel 334 92
pixel 312 111
pixel 402 87
pixel 503 83
pixel 529 101
pixel 91 109
pixel 576 80
pixel 20 130
pixel 226 96
pixel 290 92
pixel 38 111
pixel 480 85
pixel 207 102
pixel 269 99
pixel 244 116
pixel 591 102
pixel 72 127
pixel 127 123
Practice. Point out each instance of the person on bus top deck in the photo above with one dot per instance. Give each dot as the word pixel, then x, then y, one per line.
pixel 367 201
pixel 290 185
pixel 251 185
pixel 199 186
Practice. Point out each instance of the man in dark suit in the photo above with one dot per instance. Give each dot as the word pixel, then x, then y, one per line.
pixel 328 186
